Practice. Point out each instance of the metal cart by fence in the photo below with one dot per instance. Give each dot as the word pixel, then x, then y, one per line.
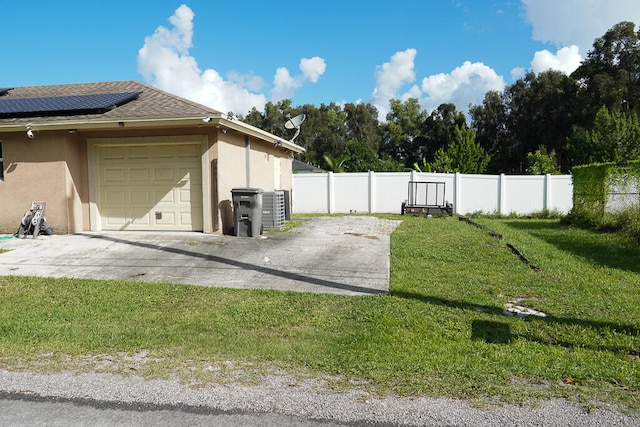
pixel 427 198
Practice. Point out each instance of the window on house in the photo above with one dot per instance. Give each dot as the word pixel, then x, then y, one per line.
pixel 1 164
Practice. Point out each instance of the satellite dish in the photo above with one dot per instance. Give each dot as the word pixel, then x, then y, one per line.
pixel 295 123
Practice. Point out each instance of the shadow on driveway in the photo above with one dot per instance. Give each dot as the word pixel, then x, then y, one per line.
pixel 343 255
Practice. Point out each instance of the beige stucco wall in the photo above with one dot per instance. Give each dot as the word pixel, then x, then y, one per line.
pixel 77 191
pixel 270 168
pixel 34 169
pixel 54 167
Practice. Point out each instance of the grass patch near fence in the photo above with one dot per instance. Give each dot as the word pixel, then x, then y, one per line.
pixel 441 332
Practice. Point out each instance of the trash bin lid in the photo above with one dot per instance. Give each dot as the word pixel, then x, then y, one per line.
pixel 247 190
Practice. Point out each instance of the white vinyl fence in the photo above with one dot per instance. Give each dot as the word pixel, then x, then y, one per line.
pixel 384 192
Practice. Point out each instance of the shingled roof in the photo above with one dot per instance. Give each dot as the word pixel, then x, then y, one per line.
pixel 152 107
pixel 152 103
pixel 300 166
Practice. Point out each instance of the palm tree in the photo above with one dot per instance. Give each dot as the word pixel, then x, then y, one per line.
pixel 335 164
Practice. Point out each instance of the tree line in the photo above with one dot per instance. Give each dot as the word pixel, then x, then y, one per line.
pixel 543 123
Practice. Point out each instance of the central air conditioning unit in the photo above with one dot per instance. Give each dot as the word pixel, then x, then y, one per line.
pixel 273 209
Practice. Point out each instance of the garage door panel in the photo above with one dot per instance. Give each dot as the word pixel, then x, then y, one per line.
pixel 184 196
pixel 139 218
pixel 114 175
pixel 185 219
pixel 114 153
pixel 141 196
pixel 166 219
pixel 138 152
pixel 166 197
pixel 166 152
pixel 138 174
pixel 114 222
pixel 164 174
pixel 151 187
pixel 115 197
pixel 125 218
pixel 190 174
pixel 186 151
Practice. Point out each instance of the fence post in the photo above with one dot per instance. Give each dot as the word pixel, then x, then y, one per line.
pixel 547 192
pixel 372 191
pixel 330 202
pixel 457 193
pixel 502 197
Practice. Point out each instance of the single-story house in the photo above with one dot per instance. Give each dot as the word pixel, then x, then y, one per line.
pixel 123 155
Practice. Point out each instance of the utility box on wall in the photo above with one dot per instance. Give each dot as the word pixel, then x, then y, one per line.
pixel 273 209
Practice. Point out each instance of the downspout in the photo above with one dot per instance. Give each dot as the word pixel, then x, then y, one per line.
pixel 247 145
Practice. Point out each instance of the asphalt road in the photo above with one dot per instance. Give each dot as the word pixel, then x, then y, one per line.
pixel 24 410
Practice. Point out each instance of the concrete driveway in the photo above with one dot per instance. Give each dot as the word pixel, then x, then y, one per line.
pixel 343 255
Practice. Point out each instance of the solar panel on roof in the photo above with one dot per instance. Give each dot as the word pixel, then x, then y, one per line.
pixel 4 90
pixel 64 105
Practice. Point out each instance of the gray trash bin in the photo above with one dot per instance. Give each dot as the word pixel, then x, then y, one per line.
pixel 247 211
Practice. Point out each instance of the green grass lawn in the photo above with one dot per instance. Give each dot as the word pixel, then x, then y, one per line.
pixel 441 332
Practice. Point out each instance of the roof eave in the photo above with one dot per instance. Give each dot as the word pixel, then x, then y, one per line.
pixel 223 120
pixel 218 120
pixel 98 124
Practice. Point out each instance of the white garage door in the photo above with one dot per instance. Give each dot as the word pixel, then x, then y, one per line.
pixel 150 187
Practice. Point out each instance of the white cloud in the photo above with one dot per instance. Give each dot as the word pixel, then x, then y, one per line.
pixel 573 26
pixel 284 85
pixel 164 62
pixel 249 81
pixel 390 77
pixel 413 92
pixel 465 85
pixel 313 68
pixel 577 22
pixel 566 59
pixel 517 73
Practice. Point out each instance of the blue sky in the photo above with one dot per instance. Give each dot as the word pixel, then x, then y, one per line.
pixel 233 56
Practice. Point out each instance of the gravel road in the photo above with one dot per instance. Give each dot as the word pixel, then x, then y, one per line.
pixel 308 399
